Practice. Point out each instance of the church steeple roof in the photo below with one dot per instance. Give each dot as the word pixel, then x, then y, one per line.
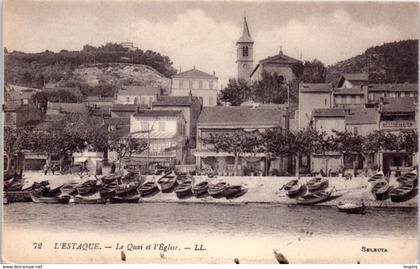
pixel 246 36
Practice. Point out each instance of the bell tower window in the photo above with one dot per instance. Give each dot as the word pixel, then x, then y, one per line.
pixel 245 51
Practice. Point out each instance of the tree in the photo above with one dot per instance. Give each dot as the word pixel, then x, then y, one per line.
pixel 297 143
pixel 324 144
pixel 408 141
pixel 272 88
pixel 237 143
pixel 236 92
pixel 126 146
pixel 314 72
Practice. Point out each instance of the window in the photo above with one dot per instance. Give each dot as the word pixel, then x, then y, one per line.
pixel 150 100
pixel 162 126
pixel 357 99
pixel 191 84
pixel 402 94
pixel 325 101
pixel 392 94
pixel 200 84
pixel 135 100
pixel 181 83
pixel 128 99
pixel 211 84
pixel 143 100
pixel 370 96
pixel 245 51
pixel 355 131
pixel 210 100
pixel 348 99
pixel 411 94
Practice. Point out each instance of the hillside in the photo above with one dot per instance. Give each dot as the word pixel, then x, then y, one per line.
pixel 395 62
pixel 119 74
pixel 95 70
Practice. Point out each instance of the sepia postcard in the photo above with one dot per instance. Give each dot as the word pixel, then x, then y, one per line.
pixel 198 132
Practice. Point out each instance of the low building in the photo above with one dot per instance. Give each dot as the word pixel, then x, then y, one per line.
pixel 351 80
pixel 164 132
pixel 137 95
pixel 378 91
pixel 99 101
pixel 66 108
pixel 198 83
pixel 355 97
pixel 228 119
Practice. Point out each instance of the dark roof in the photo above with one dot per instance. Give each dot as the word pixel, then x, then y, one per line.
pixel 246 36
pixel 118 121
pixel 158 113
pixel 329 112
pixel 279 58
pixel 403 87
pixel 139 90
pixel 362 116
pixel 399 105
pixel 316 87
pixel 68 107
pixel 175 101
pixel 54 117
pixel 239 115
pixel 194 73
pixel 348 91
pixel 127 107
pixel 98 99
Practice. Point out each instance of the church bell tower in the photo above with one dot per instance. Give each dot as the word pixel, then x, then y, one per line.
pixel 245 52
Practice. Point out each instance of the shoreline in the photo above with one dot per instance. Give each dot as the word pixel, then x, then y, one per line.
pixel 261 190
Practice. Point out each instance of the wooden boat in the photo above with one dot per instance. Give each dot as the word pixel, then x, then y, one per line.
pixel 217 190
pixel 111 178
pixel 127 188
pixel 17 196
pixel 107 190
pixel 402 193
pixel 78 199
pixel 148 188
pixel 380 190
pixel 376 177
pixel 15 185
pixel 317 184
pixel 235 191
pixel 290 184
pixel 64 199
pixel 410 177
pixel 167 184
pixel 314 198
pixel 200 188
pixel 297 190
pixel 69 188
pixel 131 177
pixel 351 208
pixel 87 187
pixel 184 189
pixel 132 199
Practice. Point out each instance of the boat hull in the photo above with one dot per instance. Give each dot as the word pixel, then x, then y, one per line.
pixel 83 200
pixel 124 200
pixel 51 200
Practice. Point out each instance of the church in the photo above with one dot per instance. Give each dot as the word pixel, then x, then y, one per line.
pixel 280 63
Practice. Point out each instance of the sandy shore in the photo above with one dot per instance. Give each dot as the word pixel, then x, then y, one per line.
pixel 260 190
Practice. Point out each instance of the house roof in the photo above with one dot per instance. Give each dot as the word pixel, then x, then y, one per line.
pixel 98 99
pixel 399 105
pixel 127 107
pixel 120 131
pixel 315 87
pixel 279 59
pixel 362 116
pixel 139 90
pixel 118 121
pixel 68 107
pixel 194 73
pixel 246 36
pixel 329 112
pixel 158 113
pixel 400 87
pixel 175 100
pixel 239 115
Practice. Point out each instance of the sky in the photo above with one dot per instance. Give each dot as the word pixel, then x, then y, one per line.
pixel 203 34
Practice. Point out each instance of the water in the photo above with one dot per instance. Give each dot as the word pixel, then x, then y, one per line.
pixel 211 224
